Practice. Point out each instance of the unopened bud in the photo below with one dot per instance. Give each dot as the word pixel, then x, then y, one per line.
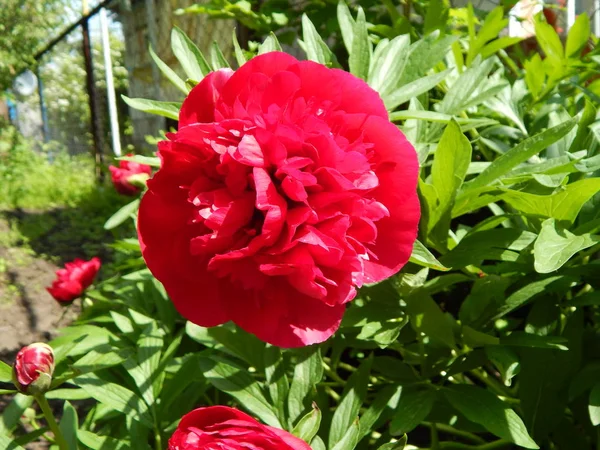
pixel 33 369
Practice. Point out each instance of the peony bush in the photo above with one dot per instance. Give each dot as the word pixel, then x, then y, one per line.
pixel 398 256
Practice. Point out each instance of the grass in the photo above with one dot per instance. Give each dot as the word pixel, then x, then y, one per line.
pixel 51 203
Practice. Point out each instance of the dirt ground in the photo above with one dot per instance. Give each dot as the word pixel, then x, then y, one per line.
pixel 27 312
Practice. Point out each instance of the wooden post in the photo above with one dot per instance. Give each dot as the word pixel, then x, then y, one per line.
pixel 92 95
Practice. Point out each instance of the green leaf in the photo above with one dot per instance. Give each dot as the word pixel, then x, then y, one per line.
pixel 168 72
pixel 67 394
pixel 528 293
pixel 124 213
pixel 277 380
pixel 239 384
pixel 483 407
pixel 116 397
pixel 521 153
pixel 152 161
pixel 354 396
pixel 217 58
pixel 505 360
pixel 5 373
pixel 427 317
pixel 465 86
pixel 316 49
pixel 488 245
pixel 144 367
pixel 13 412
pixel 189 56
pixel 549 42
pixel 594 405
pixel 413 408
pixel 522 339
pixel 555 246
pixel 564 205
pixel 423 257
pixel 413 89
pixel 400 444
pixel 346 22
pixel 239 53
pixel 69 425
pixel 308 371
pixel 388 65
pixel 578 36
pixel 165 109
pixel 270 44
pixel 307 428
pixel 350 438
pixel 452 159
pixel 96 442
pixel 360 56
pixel 436 16
pixel 432 116
pixel 7 443
pixel 101 357
pixel 386 398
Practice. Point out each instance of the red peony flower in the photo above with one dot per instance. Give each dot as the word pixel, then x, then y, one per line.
pixel 220 427
pixel 125 176
pixel 75 278
pixel 33 368
pixel 285 188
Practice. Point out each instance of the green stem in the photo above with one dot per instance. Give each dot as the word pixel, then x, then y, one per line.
pixel 157 439
pixel 459 433
pixel 458 446
pixel 435 439
pixel 45 407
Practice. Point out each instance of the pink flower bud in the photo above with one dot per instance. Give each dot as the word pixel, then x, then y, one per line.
pixel 33 368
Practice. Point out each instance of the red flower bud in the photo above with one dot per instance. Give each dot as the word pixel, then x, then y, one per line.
pixel 33 368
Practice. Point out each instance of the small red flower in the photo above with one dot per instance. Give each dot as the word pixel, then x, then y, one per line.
pixel 285 188
pixel 123 176
pixel 220 427
pixel 75 278
pixel 33 368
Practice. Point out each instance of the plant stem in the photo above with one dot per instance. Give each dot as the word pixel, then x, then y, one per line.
pixel 435 440
pixel 459 433
pixel 45 407
pixel 458 446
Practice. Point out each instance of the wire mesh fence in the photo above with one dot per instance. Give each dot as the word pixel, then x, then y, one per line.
pixel 61 112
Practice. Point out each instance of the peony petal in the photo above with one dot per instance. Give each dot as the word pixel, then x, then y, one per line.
pixel 398 173
pixel 200 103
pixel 165 240
pixel 284 317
